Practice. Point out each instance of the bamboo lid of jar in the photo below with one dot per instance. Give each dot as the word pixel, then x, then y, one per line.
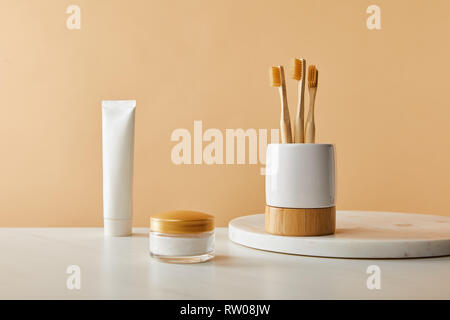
pixel 181 221
pixel 300 222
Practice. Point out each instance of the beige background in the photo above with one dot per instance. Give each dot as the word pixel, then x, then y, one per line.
pixel 383 99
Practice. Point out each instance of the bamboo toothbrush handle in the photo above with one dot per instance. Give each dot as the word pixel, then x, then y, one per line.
pixel 299 130
pixel 310 131
pixel 285 122
pixel 286 136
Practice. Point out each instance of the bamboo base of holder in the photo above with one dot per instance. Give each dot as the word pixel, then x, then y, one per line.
pixel 300 222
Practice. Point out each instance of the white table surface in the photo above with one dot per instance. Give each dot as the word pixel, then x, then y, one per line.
pixel 34 261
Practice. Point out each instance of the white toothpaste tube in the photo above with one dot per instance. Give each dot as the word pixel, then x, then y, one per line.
pixel 118 154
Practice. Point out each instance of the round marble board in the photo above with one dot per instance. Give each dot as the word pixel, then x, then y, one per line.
pixel 359 234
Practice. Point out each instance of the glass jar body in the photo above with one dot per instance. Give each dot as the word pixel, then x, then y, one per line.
pixel 183 247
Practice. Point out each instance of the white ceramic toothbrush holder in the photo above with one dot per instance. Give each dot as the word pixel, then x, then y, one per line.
pixel 300 189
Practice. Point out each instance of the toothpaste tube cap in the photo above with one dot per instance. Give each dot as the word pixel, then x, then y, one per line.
pixel 117 228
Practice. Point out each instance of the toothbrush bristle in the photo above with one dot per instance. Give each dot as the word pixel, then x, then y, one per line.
pixel 312 76
pixel 275 76
pixel 296 69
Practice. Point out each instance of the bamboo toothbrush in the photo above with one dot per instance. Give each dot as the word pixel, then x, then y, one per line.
pixel 277 79
pixel 313 78
pixel 298 73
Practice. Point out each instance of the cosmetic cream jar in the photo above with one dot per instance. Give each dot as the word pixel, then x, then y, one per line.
pixel 182 236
